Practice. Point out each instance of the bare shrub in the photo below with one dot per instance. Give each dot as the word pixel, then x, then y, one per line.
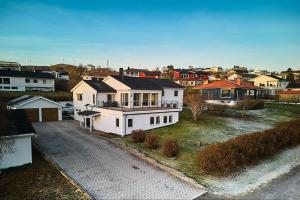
pixel 138 136
pixel 170 147
pixel 234 154
pixel 151 141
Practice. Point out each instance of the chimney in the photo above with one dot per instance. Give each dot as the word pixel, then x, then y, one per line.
pixel 121 73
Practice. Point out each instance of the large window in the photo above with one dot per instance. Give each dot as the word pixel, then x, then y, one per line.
pixel 145 99
pixel 170 119
pixel 154 99
pixel 124 99
pixel 137 99
pixel 151 120
pixel 6 80
pixel 79 97
pixel 165 119
pixel 225 93
pixel 129 122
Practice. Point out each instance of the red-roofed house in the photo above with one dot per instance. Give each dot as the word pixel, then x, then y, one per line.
pixel 228 92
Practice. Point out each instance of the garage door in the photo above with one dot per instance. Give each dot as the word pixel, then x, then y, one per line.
pixel 50 114
pixel 33 114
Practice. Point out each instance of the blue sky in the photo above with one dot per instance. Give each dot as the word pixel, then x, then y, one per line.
pixel 140 33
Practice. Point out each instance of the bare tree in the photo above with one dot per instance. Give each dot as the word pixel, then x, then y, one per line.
pixel 196 104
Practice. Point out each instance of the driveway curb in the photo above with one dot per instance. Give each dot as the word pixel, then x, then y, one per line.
pixel 179 175
pixel 64 174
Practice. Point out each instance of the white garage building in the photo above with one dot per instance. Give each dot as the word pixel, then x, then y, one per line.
pixel 38 108
pixel 15 138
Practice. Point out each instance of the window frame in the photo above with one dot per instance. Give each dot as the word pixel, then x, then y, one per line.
pixel 27 80
pixel 152 120
pixel 170 118
pixel 130 123
pixel 157 120
pixel 79 95
pixel 225 97
pixel 175 93
pixel 165 119
pixel 6 81
pixel 35 81
pixel 117 122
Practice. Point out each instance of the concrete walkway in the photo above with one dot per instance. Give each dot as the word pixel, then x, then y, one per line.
pixel 103 170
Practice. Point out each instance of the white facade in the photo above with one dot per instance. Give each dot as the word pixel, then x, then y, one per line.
pixel 269 84
pixel 20 153
pixel 132 113
pixel 26 84
pixel 39 103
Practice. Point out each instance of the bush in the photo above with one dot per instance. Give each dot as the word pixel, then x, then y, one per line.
pixel 138 136
pixel 250 104
pixel 151 141
pixel 229 156
pixel 170 148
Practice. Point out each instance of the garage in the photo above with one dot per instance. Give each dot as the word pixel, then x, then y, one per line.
pixel 37 108
pixel 33 114
pixel 49 114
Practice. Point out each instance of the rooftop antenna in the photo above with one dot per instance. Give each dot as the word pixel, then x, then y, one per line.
pixel 107 63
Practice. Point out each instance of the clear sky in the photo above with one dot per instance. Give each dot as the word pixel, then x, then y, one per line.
pixel 149 33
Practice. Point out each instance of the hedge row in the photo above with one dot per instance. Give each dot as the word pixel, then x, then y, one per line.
pixel 232 155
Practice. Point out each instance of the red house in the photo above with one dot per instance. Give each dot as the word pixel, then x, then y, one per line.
pixel 150 74
pixel 189 77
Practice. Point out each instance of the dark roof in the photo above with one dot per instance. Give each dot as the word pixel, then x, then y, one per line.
pixel 182 71
pixel 88 113
pixel 15 122
pixel 63 73
pixel 25 74
pixel 19 100
pixel 276 77
pixel 293 85
pixel 152 73
pixel 248 75
pixel 100 86
pixel 147 83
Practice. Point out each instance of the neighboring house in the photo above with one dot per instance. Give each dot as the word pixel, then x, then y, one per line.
pixel 122 104
pixel 244 77
pixel 293 86
pixel 98 75
pixel 150 74
pixel 133 72
pixel 186 77
pixel 5 65
pixel 38 109
pixel 214 69
pixel 59 75
pixel 228 92
pixel 296 73
pixel 270 84
pixel 291 94
pixel 16 131
pixel 26 81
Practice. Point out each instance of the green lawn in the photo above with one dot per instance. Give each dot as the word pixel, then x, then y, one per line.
pixel 209 129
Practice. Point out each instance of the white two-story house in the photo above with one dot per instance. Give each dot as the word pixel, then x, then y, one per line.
pixel 25 81
pixel 122 104
pixel 270 84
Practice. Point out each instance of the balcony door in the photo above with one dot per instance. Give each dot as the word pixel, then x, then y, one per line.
pixel 145 99
pixel 137 99
pixel 124 99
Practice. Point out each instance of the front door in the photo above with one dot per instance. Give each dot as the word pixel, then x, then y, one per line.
pixel 87 122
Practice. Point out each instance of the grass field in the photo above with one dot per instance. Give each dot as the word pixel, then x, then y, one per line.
pixel 209 129
pixel 40 180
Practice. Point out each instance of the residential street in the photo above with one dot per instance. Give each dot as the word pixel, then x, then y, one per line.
pixel 285 187
pixel 106 171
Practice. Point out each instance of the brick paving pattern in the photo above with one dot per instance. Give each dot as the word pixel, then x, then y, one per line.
pixel 103 170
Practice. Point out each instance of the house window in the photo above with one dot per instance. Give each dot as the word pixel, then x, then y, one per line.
pixel 124 99
pixel 0 80
pixel 154 99
pixel 145 99
pixel 6 80
pixel 170 119
pixel 79 97
pixel 14 88
pixel 158 120
pixel 117 122
pixel 151 120
pixel 110 98
pixel 175 93
pixel 35 81
pixel 129 122
pixel 27 80
pixel 136 99
pixel 44 81
pixel 94 98
pixel 162 93
pixel 165 119
pixel 6 88
pixel 225 93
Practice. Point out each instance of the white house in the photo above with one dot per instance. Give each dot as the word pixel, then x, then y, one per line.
pixel 16 132
pixel 270 84
pixel 38 108
pixel 121 104
pixel 25 81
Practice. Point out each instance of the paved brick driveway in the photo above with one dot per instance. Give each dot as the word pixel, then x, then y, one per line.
pixel 104 170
